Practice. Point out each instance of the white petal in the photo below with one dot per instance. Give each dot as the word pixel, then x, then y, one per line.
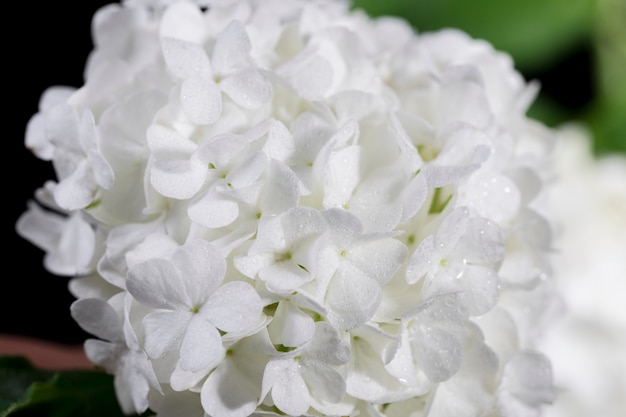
pixel 234 307
pixel 281 191
pixel 439 176
pixel 40 227
pixel 201 348
pixel 98 318
pixel 379 259
pixel 61 129
pixel 437 352
pixel 280 144
pixel 309 74
pixel 201 100
pixel 221 150
pixel 451 229
pixel 157 283
pixel 400 362
pixel 302 222
pixel 183 20
pixel 35 139
pixel 291 326
pixel 104 354
pixel 132 383
pixel 290 393
pixel 77 190
pixel 166 143
pixel 248 171
pixel 483 242
pixel 73 253
pixel 495 197
pixel 182 381
pixel 228 392
pixel 55 95
pixel 231 48
pixel 203 267
pixel 376 204
pixel 180 179
pixel 327 346
pixel 479 358
pixel 407 149
pixel 248 88
pixel 103 172
pixel 352 298
pixel 481 289
pixel 414 196
pixel 528 376
pixel 212 210
pixel 342 175
pixel 346 228
pixel 368 379
pixel 463 99
pixel 250 265
pixel 325 383
pixel 145 242
pixel 163 331
pixel 422 261
pixel 347 135
pixel 186 59
pixel 284 277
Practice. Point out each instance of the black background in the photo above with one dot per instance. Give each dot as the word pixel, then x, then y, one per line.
pixel 49 47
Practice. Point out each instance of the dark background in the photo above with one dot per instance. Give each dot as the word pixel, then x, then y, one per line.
pixel 50 48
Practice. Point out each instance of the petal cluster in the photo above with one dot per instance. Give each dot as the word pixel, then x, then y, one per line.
pixel 291 208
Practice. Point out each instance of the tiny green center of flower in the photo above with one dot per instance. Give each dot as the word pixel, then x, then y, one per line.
pixel 270 310
pixel 281 257
pixel 283 348
pixel 428 153
pixel 93 204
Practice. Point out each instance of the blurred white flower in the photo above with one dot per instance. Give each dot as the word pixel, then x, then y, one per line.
pixel 587 344
pixel 291 208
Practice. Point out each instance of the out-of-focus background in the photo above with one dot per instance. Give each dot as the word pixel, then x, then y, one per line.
pixel 576 49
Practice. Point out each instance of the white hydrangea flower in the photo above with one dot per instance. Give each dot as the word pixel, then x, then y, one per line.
pixel 191 305
pixel 68 241
pixel 117 350
pixel 586 344
pixel 291 208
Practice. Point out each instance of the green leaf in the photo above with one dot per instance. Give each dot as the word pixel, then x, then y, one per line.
pixel 535 32
pixel 607 114
pixel 608 125
pixel 26 391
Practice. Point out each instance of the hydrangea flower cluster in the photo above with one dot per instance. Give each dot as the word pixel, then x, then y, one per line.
pixel 587 343
pixel 291 208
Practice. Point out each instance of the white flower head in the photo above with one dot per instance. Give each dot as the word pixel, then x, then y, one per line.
pixel 191 305
pixel 290 207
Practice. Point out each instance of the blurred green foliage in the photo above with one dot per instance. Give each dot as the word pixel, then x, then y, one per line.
pixel 26 391
pixel 542 36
